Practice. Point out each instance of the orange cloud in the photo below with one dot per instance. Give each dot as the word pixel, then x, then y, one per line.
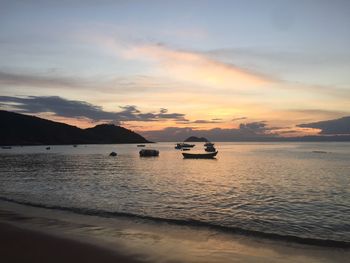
pixel 196 68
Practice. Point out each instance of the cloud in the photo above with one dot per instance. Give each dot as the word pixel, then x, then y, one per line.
pixel 247 130
pixel 319 112
pixel 42 81
pixel 254 127
pixel 188 66
pixel 207 121
pixel 330 127
pixel 324 72
pixel 81 109
pixel 239 118
pixel 216 120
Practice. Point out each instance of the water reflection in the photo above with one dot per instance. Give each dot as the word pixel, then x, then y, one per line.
pixel 282 188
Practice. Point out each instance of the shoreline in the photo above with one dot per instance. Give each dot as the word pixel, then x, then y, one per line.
pixel 327 243
pixel 129 240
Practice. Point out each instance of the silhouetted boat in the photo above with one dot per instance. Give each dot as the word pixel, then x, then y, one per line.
pixel 200 155
pixel 184 145
pixel 210 149
pixel 141 145
pixel 113 154
pixel 6 147
pixel 186 149
pixel 149 153
pixel 48 148
pixel 208 144
pixel 75 145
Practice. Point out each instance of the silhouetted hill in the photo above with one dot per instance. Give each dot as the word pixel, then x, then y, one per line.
pixel 196 139
pixel 109 133
pixel 19 129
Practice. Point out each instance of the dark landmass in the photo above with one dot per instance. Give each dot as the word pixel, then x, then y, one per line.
pixel 22 245
pixel 196 139
pixel 20 129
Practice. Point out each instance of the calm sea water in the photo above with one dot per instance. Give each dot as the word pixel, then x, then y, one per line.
pixel 293 190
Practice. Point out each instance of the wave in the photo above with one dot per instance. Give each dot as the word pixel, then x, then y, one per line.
pixel 190 222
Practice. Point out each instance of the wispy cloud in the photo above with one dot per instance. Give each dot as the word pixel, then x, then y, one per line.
pixel 41 81
pixel 183 65
pixel 239 118
pixel 195 67
pixel 216 120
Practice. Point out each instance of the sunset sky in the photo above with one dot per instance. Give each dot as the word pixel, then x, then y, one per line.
pixel 199 65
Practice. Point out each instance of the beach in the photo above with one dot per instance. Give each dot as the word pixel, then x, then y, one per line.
pixel 30 234
pixel 23 245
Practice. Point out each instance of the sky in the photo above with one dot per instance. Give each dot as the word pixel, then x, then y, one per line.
pixel 263 66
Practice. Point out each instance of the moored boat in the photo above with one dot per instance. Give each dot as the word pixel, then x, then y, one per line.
pixel 149 153
pixel 210 149
pixel 184 145
pixel 200 155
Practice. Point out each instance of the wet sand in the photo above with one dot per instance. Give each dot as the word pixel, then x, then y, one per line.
pixel 30 234
pixel 23 245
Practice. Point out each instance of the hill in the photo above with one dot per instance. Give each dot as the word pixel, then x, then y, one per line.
pixel 20 129
pixel 109 133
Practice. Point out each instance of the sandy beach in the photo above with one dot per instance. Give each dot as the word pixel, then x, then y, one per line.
pixel 30 234
pixel 23 245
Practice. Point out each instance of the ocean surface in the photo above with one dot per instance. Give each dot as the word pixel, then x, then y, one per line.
pixel 294 191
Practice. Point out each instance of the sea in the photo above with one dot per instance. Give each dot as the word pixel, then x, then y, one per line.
pixel 296 192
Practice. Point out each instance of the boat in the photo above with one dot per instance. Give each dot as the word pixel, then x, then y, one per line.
pixel 48 148
pixel 113 154
pixel 210 149
pixel 208 144
pixel 184 145
pixel 149 153
pixel 185 149
pixel 141 145
pixel 200 155
pixel 75 145
pixel 178 146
